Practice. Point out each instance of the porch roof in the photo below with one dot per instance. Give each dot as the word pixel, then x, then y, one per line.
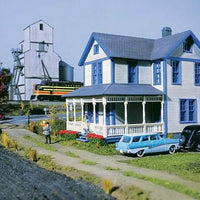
pixel 115 89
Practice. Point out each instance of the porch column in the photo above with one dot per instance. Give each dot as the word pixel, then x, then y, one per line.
pixel 143 114
pixel 126 115
pixel 82 113
pixel 67 113
pixel 94 110
pixel 162 113
pixel 74 104
pixel 104 117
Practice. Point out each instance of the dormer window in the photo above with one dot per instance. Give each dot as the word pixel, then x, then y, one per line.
pixel 41 27
pixel 187 45
pixel 96 49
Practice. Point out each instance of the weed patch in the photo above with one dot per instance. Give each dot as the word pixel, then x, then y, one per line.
pixel 88 162
pixel 71 154
pixel 112 168
pixel 40 144
pixel 168 184
pixel 185 165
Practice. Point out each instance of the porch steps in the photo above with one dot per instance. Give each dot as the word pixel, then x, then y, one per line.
pixel 82 138
pixel 112 139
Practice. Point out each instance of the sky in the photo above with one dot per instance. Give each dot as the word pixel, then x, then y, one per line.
pixel 75 20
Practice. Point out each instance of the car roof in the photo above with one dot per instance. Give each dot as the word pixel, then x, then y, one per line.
pixel 140 134
pixel 192 127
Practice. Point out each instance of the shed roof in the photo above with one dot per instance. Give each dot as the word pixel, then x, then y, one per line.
pixel 115 89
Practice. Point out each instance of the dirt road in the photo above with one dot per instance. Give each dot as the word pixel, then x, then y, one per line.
pixel 157 192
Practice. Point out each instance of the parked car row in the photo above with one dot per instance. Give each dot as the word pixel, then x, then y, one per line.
pixel 141 144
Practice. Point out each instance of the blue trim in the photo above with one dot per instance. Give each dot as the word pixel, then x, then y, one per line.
pixel 197 73
pixel 113 114
pixel 96 49
pixel 86 50
pixel 83 74
pixel 186 107
pixel 184 59
pixel 97 60
pixel 133 73
pixel 97 76
pixel 157 73
pixel 91 40
pixel 176 72
pixel 165 96
pixel 189 33
pixel 112 72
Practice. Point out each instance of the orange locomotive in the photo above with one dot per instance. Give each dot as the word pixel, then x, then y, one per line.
pixel 53 90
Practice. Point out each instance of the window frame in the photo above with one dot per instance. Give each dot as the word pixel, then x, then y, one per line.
pixel 157 73
pixel 188 111
pixel 133 73
pixel 97 73
pixel 197 73
pixel 96 49
pixel 176 72
pixel 41 27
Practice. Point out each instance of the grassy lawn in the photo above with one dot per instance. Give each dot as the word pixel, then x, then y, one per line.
pixel 185 165
pixel 167 184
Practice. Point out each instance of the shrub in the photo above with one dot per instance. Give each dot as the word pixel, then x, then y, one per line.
pixel 5 140
pixel 68 134
pixel 33 155
pixel 107 185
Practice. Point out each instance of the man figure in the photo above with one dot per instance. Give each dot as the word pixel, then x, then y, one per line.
pixel 46 131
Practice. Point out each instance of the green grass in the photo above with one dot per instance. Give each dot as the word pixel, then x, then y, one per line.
pixel 40 144
pixel 101 150
pixel 167 184
pixel 87 162
pixel 112 168
pixel 185 165
pixel 71 154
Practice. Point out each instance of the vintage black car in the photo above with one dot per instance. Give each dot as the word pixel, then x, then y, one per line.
pixel 190 138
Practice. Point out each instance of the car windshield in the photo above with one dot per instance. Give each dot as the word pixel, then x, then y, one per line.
pixel 126 139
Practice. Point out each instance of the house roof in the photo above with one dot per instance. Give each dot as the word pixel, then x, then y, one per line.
pixel 117 46
pixel 114 89
pixel 39 21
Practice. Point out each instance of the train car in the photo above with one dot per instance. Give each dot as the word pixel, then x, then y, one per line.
pixel 53 90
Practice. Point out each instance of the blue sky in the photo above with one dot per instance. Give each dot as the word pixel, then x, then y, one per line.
pixel 75 20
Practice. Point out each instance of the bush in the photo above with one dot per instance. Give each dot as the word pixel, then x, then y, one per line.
pixel 107 185
pixel 33 155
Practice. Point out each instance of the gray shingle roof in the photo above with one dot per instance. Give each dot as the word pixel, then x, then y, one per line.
pixel 118 46
pixel 114 89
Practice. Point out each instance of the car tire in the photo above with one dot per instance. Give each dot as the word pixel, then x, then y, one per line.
pixel 182 140
pixel 198 147
pixel 172 149
pixel 140 153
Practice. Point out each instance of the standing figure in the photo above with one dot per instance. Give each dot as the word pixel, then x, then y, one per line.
pixel 47 132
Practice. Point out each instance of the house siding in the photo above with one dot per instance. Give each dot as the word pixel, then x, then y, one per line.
pixel 187 90
pixel 92 57
pixel 88 77
pixel 121 72
pixel 145 72
pixel 106 71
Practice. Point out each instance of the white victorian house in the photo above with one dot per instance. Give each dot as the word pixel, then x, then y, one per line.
pixel 136 85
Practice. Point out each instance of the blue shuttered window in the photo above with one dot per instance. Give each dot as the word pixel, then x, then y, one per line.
pixel 97 73
pixel 133 74
pixel 188 110
pixel 156 73
pixel 176 72
pixel 197 73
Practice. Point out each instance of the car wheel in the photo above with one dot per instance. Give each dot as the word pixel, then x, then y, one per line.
pixel 198 147
pixel 172 149
pixel 140 153
pixel 181 140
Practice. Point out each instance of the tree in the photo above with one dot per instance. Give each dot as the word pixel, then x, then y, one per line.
pixel 5 78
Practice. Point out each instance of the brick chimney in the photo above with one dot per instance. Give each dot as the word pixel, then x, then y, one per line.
pixel 166 31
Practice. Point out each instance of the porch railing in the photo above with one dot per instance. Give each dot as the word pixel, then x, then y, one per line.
pixel 118 130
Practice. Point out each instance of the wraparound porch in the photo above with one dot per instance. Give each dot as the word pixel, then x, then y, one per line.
pixel 115 116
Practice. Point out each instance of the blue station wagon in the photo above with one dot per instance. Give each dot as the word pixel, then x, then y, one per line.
pixel 140 144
